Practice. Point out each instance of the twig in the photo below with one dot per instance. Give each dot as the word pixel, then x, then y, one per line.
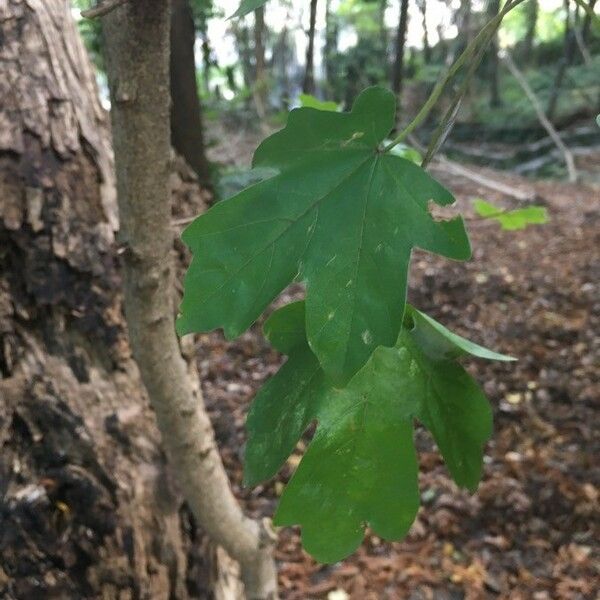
pixel 543 119
pixel 449 166
pixel 447 123
pixel 589 10
pixel 102 9
pixel 175 223
pixel 482 38
pixel 585 53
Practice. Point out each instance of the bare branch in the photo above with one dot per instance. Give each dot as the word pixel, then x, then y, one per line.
pixel 102 9
pixel 541 115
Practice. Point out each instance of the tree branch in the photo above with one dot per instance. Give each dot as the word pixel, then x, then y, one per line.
pixel 137 65
pixel 481 40
pixel 102 9
pixel 541 115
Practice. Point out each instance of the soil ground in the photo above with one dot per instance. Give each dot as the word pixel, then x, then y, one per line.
pixel 532 529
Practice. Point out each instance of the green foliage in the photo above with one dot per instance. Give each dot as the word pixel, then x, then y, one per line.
pixel 308 101
pixel 519 218
pixel 361 465
pixel 340 215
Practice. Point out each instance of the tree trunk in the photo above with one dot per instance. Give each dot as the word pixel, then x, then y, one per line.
pixel 565 62
pixel 88 508
pixel 383 34
pixel 587 23
pixel 260 75
pixel 137 60
pixel 398 72
pixel 466 21
pixel 493 71
pixel 531 16
pixel 330 49
pixel 282 57
pixel 207 61
pixel 422 4
pixel 308 85
pixel 187 134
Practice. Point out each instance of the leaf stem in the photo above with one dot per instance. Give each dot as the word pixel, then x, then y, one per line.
pixel 482 39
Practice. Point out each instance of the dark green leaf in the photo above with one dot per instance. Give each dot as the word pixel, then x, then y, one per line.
pixel 341 216
pixel 440 343
pixel 285 405
pixel 360 468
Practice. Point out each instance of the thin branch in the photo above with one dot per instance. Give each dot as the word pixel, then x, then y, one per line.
pixel 102 9
pixel 589 10
pixel 482 39
pixel 447 123
pixel 449 166
pixel 585 53
pixel 541 115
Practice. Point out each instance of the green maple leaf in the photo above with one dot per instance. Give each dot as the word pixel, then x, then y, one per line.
pixel 360 468
pixel 340 215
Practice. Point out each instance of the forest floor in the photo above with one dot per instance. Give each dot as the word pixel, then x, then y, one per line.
pixel 532 529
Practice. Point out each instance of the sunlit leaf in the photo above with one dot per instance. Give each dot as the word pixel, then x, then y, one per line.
pixel 404 151
pixel 308 101
pixel 510 220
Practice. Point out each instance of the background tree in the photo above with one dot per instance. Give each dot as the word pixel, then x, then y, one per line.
pixel 531 17
pixel 308 85
pixel 493 8
pixel 569 46
pixel 587 22
pixel 187 135
pixel 260 73
pixel 422 4
pixel 398 68
pixel 330 47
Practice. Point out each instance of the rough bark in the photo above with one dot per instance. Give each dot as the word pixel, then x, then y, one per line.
pixel 137 48
pixel 398 72
pixel 308 85
pixel 187 134
pixel 87 505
